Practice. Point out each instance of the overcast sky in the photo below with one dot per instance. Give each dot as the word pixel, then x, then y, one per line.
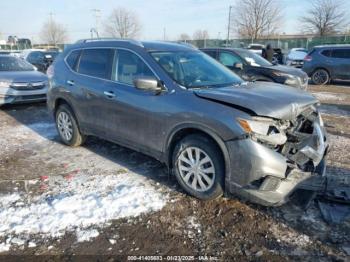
pixel 25 18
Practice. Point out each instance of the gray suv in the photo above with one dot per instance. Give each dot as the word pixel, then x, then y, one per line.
pixel 215 132
pixel 326 63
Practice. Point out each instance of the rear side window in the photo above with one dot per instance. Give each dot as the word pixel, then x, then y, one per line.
pixel 129 66
pixel 327 52
pixel 341 53
pixel 96 62
pixel 72 59
pixel 229 59
pixel 211 53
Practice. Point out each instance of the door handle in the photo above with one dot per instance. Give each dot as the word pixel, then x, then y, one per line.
pixel 70 82
pixel 109 94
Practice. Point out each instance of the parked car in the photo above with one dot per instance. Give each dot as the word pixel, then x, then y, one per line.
pixel 256 48
pixel 278 56
pixel 214 131
pixel 252 67
pixel 295 57
pixel 326 63
pixel 41 59
pixel 20 82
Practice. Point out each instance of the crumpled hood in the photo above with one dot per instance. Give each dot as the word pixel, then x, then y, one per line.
pixel 264 99
pixel 23 76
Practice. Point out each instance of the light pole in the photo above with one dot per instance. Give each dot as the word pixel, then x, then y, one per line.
pixel 229 26
pixel 97 15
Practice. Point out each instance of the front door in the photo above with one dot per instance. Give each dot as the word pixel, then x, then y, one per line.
pixel 135 117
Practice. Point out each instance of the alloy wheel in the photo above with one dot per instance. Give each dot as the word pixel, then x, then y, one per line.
pixel 65 126
pixel 320 77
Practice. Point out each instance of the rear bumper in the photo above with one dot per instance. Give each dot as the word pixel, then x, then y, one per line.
pixel 12 96
pixel 263 176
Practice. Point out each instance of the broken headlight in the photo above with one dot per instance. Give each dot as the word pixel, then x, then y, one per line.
pixel 265 130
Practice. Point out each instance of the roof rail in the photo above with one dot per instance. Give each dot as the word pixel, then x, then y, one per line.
pixel 131 41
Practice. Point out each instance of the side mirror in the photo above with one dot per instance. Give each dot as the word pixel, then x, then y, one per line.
pixel 238 65
pixel 149 84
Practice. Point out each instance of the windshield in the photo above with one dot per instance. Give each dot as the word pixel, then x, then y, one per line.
pixel 193 69
pixel 10 63
pixel 253 59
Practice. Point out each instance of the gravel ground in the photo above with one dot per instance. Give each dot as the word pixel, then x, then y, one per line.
pixel 36 169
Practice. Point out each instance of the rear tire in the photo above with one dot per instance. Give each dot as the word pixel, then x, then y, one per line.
pixel 320 77
pixel 67 127
pixel 199 167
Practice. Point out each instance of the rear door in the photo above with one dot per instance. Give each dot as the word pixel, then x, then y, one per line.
pixel 341 63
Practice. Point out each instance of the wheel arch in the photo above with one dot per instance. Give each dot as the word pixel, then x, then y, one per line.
pixel 184 130
pixel 324 68
pixel 62 101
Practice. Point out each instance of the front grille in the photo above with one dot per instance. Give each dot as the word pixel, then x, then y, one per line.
pixel 30 97
pixel 28 85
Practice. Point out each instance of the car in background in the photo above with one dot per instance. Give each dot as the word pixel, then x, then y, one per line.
pixel 295 57
pixel 252 67
pixel 256 48
pixel 20 82
pixel 41 59
pixel 214 132
pixel 326 63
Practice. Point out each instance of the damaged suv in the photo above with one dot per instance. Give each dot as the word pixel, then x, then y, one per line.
pixel 215 132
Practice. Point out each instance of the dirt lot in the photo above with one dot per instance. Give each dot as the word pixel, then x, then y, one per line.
pixel 40 175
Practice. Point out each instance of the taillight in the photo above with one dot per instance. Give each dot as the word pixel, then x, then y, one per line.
pixel 308 58
pixel 50 71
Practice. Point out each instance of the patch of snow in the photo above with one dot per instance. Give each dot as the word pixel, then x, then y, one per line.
pixel 4 247
pixel 31 244
pixel 17 241
pixel 77 204
pixel 290 237
pixel 112 241
pixel 193 227
pixel 86 235
pixel 327 96
pixel 334 110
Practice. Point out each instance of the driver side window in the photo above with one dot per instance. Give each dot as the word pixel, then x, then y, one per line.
pixel 228 59
pixel 129 66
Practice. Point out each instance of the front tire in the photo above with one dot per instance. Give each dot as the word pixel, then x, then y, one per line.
pixel 67 127
pixel 199 167
pixel 320 77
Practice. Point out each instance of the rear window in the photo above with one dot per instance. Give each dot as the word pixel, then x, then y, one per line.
pixel 341 53
pixel 327 52
pixel 96 62
pixel 72 59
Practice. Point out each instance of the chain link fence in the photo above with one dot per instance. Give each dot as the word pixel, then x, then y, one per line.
pixel 283 43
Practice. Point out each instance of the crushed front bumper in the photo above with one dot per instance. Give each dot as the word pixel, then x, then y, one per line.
pixel 264 176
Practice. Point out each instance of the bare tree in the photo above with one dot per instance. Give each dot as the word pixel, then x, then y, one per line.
pixel 184 37
pixel 53 33
pixel 324 17
pixel 123 23
pixel 200 35
pixel 256 18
